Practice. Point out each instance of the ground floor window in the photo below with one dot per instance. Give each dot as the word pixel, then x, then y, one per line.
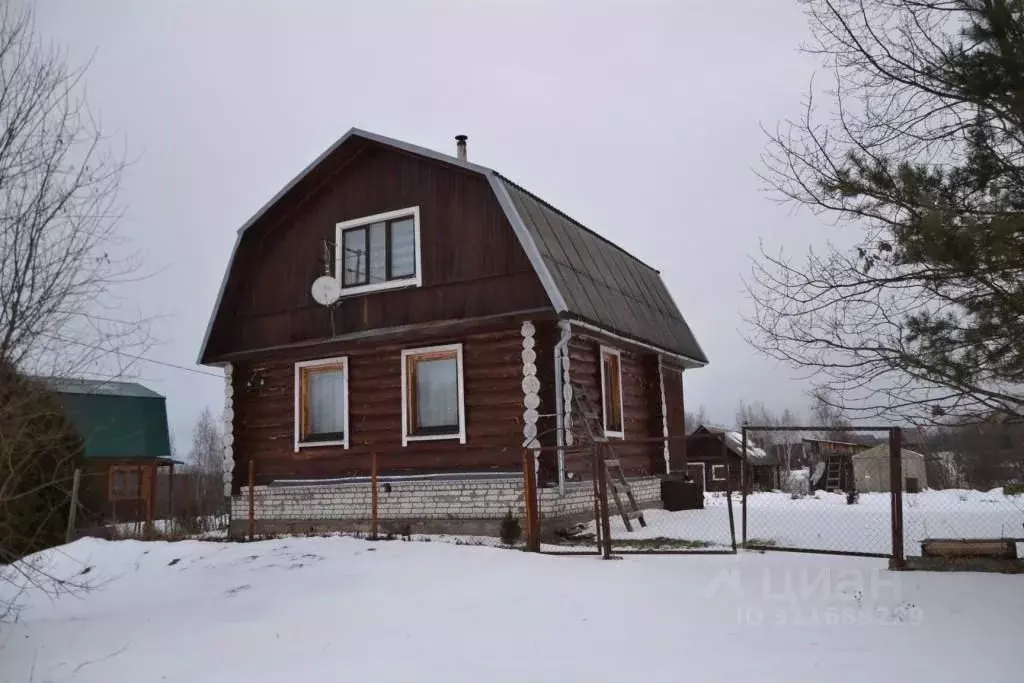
pixel 611 391
pixel 433 401
pixel 321 403
pixel 718 473
pixel 126 483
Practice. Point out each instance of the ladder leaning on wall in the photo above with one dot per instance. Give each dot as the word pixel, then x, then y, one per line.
pixel 586 412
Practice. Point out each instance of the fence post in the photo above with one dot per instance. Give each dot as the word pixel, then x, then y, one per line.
pixel 530 502
pixel 728 491
pixel 594 477
pixel 374 520
pixel 898 560
pixel 602 489
pixel 252 499
pixel 743 465
pixel 72 511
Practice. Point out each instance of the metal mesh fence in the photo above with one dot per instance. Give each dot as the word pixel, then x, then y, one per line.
pixel 967 500
pixel 808 494
pixel 677 514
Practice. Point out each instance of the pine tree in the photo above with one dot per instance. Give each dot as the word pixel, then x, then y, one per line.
pixel 923 155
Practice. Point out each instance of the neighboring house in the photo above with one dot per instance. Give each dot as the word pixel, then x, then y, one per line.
pixel 123 426
pixel 704 461
pixel 468 310
pixel 871 469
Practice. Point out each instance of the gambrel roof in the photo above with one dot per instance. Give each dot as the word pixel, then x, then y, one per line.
pixel 586 277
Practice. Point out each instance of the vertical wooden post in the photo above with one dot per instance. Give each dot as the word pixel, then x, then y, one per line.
pixel 150 498
pixel 252 498
pixel 139 502
pixel 744 508
pixel 530 502
pixel 373 497
pixel 602 489
pixel 728 492
pixel 73 509
pixel 594 477
pixel 187 493
pixel 898 560
pixel 170 494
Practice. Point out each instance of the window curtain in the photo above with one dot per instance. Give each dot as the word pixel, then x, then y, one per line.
pixel 437 393
pixel 403 248
pixel 327 402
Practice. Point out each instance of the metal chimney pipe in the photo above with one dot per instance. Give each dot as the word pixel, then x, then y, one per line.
pixel 460 146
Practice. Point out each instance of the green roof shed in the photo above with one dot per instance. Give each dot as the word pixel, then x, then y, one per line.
pixel 116 420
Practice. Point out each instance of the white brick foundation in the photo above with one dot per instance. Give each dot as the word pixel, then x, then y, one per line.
pixel 426 506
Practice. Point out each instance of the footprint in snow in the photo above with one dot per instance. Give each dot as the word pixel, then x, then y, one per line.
pixel 237 589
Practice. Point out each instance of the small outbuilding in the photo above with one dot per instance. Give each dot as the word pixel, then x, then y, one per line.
pixel 871 470
pixel 123 426
pixel 704 461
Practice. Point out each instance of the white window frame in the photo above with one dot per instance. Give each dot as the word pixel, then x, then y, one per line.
pixel 713 469
pixel 446 348
pixel 621 434
pixel 343 362
pixel 339 263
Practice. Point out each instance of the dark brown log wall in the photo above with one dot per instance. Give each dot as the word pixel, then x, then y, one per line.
pixel 473 265
pixel 641 404
pixel 492 361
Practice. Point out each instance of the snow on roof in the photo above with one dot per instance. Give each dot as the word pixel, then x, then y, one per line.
pixel 754 453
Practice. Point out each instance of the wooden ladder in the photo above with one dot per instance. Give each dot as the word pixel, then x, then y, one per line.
pixel 586 412
pixel 832 475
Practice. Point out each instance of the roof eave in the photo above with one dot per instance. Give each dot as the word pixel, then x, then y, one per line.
pixel 687 361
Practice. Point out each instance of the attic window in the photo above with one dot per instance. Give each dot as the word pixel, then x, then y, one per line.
pixel 321 403
pixel 379 252
pixel 611 391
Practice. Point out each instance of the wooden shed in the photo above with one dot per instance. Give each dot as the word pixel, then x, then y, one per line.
pixel 123 426
pixel 704 461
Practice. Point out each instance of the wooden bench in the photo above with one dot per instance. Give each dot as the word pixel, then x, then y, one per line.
pixel 953 548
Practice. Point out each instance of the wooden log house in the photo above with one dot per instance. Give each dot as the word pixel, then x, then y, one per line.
pixel 468 310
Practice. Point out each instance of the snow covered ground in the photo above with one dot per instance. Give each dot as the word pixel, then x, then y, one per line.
pixel 826 522
pixel 343 609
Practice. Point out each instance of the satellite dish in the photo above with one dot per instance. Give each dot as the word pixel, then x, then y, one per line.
pixel 326 290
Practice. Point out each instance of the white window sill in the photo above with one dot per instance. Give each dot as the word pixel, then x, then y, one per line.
pixel 436 437
pixel 314 444
pixel 614 435
pixel 380 287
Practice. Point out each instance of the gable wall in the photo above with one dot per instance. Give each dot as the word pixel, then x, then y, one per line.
pixel 473 265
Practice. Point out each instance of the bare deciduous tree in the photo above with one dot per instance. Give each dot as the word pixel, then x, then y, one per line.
pixel 59 246
pixel 206 456
pixel 694 420
pixel 60 267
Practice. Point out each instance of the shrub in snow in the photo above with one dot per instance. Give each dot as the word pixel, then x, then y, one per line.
pixel 510 529
pixel 852 496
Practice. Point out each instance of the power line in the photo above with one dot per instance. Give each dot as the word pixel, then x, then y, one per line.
pixel 136 357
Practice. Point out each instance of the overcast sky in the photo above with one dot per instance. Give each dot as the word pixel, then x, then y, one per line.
pixel 639 119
